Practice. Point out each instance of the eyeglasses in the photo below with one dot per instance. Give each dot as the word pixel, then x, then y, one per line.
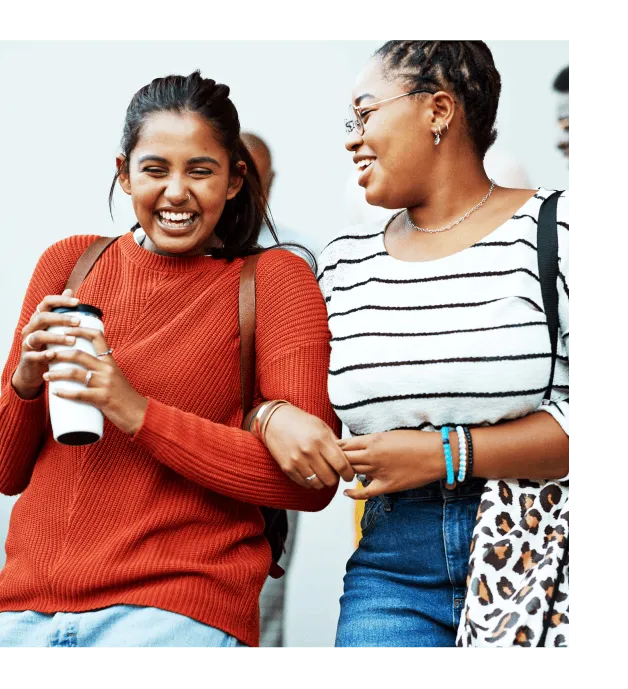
pixel 354 121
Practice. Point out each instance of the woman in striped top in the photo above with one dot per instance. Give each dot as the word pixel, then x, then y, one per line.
pixel 435 322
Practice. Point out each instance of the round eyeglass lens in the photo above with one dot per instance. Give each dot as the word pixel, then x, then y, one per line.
pixel 352 122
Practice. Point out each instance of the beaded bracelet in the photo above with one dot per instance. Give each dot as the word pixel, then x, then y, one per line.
pixel 449 462
pixel 467 434
pixel 462 453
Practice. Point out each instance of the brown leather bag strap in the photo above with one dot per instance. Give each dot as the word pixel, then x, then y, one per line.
pixel 87 260
pixel 246 307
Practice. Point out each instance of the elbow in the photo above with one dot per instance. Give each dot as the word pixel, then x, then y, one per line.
pixel 558 470
pixel 11 488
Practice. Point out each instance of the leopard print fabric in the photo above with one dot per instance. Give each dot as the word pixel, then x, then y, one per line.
pixel 515 575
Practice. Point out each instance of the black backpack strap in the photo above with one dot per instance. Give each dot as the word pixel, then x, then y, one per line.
pixel 547 249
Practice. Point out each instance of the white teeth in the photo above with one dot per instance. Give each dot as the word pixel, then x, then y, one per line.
pixel 175 217
pixel 363 164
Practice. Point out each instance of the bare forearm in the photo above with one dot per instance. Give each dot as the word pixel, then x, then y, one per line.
pixel 534 447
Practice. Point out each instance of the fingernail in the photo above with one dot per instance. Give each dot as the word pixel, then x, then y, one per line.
pixel 46 376
pixel 74 301
pixel 74 320
pixel 70 339
pixel 345 492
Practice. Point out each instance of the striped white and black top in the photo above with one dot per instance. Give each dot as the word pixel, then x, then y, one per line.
pixel 462 339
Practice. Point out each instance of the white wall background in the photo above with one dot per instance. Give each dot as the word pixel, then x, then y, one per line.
pixel 61 116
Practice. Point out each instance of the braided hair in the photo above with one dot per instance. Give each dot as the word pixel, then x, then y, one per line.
pixel 465 68
pixel 241 220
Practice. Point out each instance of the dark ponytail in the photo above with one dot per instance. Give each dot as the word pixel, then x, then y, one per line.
pixel 241 220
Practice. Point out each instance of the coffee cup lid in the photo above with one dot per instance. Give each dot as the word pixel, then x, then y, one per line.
pixel 82 308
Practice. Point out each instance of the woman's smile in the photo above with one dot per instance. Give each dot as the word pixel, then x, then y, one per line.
pixel 177 221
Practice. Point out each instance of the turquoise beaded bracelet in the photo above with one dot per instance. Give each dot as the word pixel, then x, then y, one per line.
pixel 449 462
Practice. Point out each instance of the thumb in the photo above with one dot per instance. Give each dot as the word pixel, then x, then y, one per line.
pixel 67 293
pixel 374 488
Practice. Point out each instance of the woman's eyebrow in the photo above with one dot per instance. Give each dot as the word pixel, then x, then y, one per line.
pixel 157 159
pixel 203 159
pixel 362 97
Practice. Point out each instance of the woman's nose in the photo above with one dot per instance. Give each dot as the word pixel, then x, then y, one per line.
pixel 353 140
pixel 176 192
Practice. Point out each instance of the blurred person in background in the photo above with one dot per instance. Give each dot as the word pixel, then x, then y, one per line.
pixel 272 599
pixel 153 536
pixel 260 152
pixel 561 86
pixel 435 322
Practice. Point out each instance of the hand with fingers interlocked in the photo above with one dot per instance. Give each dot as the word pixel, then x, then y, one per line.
pixel 306 449
pixel 104 384
pixel 394 461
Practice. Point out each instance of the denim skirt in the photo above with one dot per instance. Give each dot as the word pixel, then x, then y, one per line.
pixel 405 584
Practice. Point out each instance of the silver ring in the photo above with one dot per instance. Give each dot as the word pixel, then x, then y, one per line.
pixel 107 353
pixel 28 344
pixel 88 377
pixel 309 479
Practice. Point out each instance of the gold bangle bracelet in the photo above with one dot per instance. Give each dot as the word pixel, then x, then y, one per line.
pixel 280 403
pixel 261 422
pixel 254 427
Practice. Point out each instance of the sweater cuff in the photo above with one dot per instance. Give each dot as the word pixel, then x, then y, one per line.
pixel 23 421
pixel 151 426
pixel 18 408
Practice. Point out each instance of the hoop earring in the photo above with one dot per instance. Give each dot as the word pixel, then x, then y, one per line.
pixel 189 197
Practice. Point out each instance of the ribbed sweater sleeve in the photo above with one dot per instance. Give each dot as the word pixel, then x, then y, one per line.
pixel 23 422
pixel 292 350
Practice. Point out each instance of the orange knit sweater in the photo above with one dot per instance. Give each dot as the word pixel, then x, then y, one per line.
pixel 167 517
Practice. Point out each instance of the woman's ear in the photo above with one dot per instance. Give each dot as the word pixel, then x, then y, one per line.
pixel 123 173
pixel 443 108
pixel 236 180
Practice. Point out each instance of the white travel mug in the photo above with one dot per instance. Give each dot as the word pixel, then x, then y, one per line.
pixel 73 422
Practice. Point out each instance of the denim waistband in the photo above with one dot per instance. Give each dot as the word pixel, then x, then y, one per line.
pixel 438 491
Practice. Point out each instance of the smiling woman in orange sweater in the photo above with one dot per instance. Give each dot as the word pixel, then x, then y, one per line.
pixel 153 536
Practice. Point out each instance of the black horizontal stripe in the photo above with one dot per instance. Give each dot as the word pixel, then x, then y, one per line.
pixel 525 215
pixel 433 395
pixel 563 224
pixel 451 424
pixel 426 307
pixel 541 198
pixel 449 360
pixel 438 332
pixel 350 260
pixel 353 236
pixel 435 278
pixel 516 241
pixel 562 358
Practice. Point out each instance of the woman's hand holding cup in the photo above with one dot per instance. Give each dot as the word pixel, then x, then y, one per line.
pixel 104 385
pixel 28 377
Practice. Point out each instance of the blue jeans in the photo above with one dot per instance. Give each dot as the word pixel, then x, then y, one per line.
pixel 405 584
pixel 118 625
